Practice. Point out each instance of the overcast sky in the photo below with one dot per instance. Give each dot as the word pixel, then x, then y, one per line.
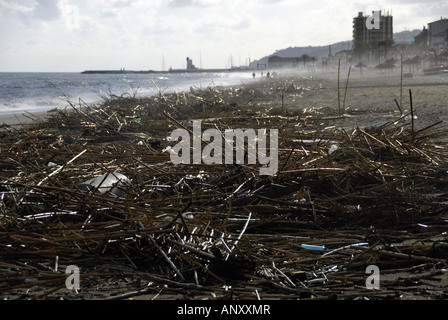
pixel 76 35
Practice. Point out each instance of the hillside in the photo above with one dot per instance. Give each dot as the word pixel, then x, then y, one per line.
pixel 322 51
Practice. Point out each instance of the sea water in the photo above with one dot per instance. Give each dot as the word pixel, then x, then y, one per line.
pixel 28 92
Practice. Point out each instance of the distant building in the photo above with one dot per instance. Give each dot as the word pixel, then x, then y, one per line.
pixel 361 34
pixel 276 62
pixel 422 38
pixel 344 55
pixel 190 65
pixel 373 42
pixel 438 34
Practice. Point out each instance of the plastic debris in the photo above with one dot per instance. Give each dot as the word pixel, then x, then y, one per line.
pixel 115 183
pixel 333 148
pixel 311 247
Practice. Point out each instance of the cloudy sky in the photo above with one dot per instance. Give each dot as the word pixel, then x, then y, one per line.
pixel 76 35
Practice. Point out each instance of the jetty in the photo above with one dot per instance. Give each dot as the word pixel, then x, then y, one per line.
pixel 236 69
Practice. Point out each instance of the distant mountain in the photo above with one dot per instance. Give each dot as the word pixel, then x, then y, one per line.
pixel 406 36
pixel 322 51
pixel 317 51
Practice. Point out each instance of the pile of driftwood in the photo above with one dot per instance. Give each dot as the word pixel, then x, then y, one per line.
pixel 94 187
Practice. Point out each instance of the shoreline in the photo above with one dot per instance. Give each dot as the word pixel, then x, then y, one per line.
pixel 23 118
pixel 367 91
pixel 167 71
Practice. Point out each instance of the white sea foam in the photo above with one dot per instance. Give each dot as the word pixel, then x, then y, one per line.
pixel 22 92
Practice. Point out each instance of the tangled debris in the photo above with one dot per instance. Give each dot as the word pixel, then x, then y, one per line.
pixel 93 186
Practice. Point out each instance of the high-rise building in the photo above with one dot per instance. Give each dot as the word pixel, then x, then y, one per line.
pixel 362 34
pixel 378 37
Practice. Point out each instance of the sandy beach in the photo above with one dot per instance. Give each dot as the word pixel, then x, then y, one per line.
pixel 19 119
pixel 194 231
pixel 370 97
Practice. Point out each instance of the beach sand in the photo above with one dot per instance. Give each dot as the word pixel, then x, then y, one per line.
pixel 370 98
pixel 24 118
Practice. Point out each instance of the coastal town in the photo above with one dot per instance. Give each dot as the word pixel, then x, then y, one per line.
pixel 374 47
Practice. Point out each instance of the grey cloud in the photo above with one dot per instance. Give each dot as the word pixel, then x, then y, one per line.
pixel 272 1
pixel 194 3
pixel 47 10
pixel 107 14
pixel 421 2
pixel 158 30
pixel 15 7
pixel 217 26
pixel 117 3
pixel 242 22
pixel 180 3
pixel 212 3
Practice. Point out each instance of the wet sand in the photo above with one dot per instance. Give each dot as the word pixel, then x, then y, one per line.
pixel 23 118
